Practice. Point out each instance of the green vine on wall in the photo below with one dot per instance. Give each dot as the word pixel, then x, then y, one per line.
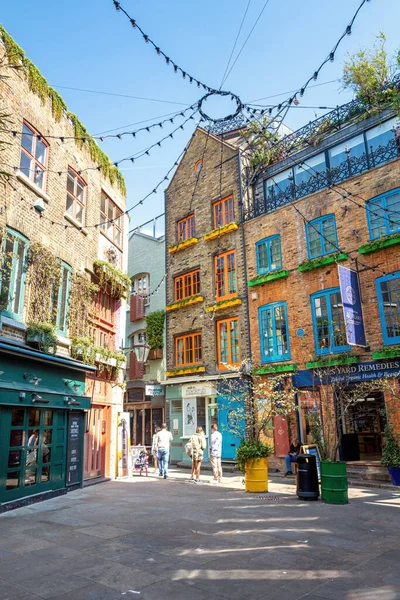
pixel 44 275
pixel 39 86
pixel 155 329
pixel 111 279
pixel 79 305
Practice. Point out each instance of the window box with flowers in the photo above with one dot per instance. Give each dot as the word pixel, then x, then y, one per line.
pixel 322 261
pixel 185 371
pixel 384 242
pixel 277 369
pixel 220 231
pixel 333 361
pixel 183 245
pixel 184 303
pixel 224 304
pixel 261 279
pixel 118 282
pixel 384 353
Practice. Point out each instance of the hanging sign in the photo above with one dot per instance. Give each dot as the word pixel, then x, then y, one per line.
pixel 154 390
pixel 352 309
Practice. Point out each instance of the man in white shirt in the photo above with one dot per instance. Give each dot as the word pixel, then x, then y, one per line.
pixel 215 453
pixel 163 440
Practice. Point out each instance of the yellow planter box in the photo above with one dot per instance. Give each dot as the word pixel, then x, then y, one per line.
pixel 189 371
pixel 224 304
pixel 256 475
pixel 184 303
pixel 183 245
pixel 220 231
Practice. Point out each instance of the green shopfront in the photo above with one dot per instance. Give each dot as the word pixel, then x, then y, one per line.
pixel 42 425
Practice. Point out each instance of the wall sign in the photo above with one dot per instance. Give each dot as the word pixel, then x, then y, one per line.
pixel 347 373
pixel 352 309
pixel 198 389
pixel 154 390
pixel 74 462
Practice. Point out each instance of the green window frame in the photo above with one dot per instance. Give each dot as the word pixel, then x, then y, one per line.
pixel 61 300
pixel 13 273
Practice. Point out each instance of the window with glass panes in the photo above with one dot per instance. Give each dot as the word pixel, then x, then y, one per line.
pixel 274 332
pixel 13 272
pixel 268 254
pixel 76 196
pixel 111 219
pixel 33 159
pixel 223 212
pixel 185 228
pixel 187 285
pixel 328 322
pixel 61 300
pixel 321 236
pixel 188 350
pixel 228 342
pixel 388 288
pixel 225 275
pixel 383 214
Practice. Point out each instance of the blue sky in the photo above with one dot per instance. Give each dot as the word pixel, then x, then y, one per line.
pixel 89 45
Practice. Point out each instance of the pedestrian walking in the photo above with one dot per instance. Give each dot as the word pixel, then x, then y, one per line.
pixel 163 440
pixel 198 442
pixel 216 453
pixel 154 449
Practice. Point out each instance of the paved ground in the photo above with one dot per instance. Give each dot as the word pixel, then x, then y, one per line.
pixel 173 540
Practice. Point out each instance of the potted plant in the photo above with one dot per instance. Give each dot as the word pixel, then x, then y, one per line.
pixel 43 335
pixel 391 454
pixel 252 459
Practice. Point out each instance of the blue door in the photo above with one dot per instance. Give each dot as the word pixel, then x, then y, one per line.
pixel 228 421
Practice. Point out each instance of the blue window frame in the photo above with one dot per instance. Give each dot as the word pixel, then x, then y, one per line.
pixel 321 236
pixel 383 213
pixel 61 300
pixel 328 322
pixel 388 290
pixel 274 332
pixel 13 273
pixel 269 254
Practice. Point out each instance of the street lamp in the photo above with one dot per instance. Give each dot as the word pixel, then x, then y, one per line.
pixel 142 352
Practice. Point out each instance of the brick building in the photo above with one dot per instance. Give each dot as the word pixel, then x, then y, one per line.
pixel 333 200
pixel 145 395
pixel 206 287
pixel 61 289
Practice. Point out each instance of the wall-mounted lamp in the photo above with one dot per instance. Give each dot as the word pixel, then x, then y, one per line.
pixel 73 385
pixel 71 402
pixel 36 399
pixel 35 380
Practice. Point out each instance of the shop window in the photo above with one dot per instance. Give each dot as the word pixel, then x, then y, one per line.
pixel 34 154
pixel 225 275
pixel 228 343
pixel 188 350
pixel 111 219
pixel 75 196
pixel 388 288
pixel 321 236
pixel 383 214
pixel 269 254
pixel 194 415
pixel 223 212
pixel 328 322
pixel 274 332
pixel 13 272
pixel 61 300
pixel 187 285
pixel 185 228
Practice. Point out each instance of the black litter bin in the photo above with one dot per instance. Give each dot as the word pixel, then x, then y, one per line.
pixel 307 477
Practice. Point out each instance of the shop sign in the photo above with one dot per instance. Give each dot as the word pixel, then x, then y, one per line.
pixel 74 449
pixel 352 309
pixel 348 373
pixel 154 390
pixel 198 389
pixel 123 444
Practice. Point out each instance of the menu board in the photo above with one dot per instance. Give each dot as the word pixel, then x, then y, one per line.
pixel 74 449
pixel 313 449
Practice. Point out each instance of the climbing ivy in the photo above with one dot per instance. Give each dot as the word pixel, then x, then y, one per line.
pixel 79 305
pixel 43 276
pixel 39 86
pixel 155 329
pixel 111 279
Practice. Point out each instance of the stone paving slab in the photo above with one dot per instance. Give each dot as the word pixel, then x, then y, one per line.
pixel 175 540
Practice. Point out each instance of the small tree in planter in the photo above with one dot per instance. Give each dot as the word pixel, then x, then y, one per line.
pixel 391 454
pixel 254 402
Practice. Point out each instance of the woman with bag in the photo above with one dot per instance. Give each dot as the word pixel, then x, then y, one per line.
pixel 198 442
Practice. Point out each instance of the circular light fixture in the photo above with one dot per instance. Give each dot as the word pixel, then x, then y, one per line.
pixel 207 117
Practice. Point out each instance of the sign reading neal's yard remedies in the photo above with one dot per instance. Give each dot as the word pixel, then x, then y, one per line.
pixel 74 447
pixel 352 309
pixel 347 373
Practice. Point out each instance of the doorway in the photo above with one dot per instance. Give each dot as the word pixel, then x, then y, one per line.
pixel 363 420
pixel 95 443
pixel 144 420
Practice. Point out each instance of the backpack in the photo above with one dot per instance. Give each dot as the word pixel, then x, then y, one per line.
pixel 189 449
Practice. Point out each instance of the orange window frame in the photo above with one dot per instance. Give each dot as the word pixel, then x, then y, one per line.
pixel 233 353
pixel 225 275
pixel 223 212
pixel 187 285
pixel 185 228
pixel 35 164
pixel 188 350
